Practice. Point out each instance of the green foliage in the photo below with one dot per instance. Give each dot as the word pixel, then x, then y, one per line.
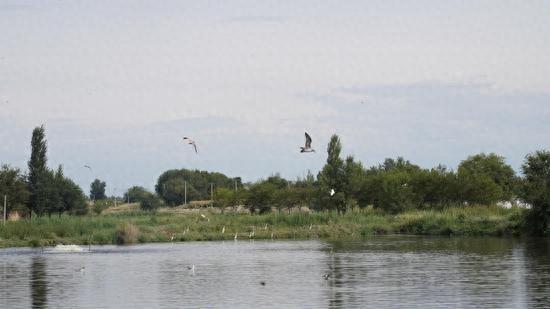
pixel 50 192
pixel 224 197
pixel 100 205
pixel 71 196
pixel 97 190
pixel 135 194
pixel 355 223
pixel 332 177
pixel 536 191
pixel 12 184
pixel 171 185
pixel 37 170
pixel 261 197
pixel 149 202
pixel 391 190
pixel 486 178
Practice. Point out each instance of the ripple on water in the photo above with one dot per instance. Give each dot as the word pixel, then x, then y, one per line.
pixel 379 272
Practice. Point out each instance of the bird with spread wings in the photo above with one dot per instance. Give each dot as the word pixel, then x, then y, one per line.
pixel 190 142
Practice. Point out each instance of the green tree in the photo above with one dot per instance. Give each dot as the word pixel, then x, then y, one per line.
pixel 224 197
pixel 48 200
pixel 261 197
pixel 97 190
pixel 37 171
pixel 391 190
pixel 71 198
pixel 536 190
pixel 436 187
pixel 332 177
pixel 13 185
pixel 150 202
pixel 354 178
pixel 135 194
pixel 486 179
pixel 170 185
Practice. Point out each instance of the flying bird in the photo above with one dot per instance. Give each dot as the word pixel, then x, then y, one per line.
pixel 307 146
pixel 88 167
pixel 326 276
pixel 190 142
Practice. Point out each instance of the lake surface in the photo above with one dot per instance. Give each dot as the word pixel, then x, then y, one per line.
pixel 380 272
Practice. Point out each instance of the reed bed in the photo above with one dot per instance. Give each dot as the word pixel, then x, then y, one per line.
pixel 138 226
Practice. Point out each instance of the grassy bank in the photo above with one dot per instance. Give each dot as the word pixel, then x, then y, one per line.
pixel 135 226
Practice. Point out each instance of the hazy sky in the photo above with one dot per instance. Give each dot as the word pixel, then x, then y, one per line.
pixel 118 83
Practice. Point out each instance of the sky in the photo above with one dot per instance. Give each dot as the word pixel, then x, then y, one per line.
pixel 117 84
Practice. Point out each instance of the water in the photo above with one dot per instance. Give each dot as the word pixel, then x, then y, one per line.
pixel 381 272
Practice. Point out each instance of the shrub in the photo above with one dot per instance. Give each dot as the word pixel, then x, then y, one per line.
pixel 149 202
pixel 126 233
pixel 101 205
pixel 536 191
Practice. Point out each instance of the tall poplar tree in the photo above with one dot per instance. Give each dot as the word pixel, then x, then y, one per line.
pixel 37 170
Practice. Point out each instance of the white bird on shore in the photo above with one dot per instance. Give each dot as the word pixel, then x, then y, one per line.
pixel 332 192
pixel 307 146
pixel 310 226
pixel 223 229
pixel 271 235
pixel 265 226
pixel 190 142
pixel 235 236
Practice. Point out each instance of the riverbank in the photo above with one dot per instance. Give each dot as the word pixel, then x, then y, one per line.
pixel 134 226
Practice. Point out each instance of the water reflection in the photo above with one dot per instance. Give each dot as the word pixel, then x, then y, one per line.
pixel 38 282
pixel 537 263
pixel 379 272
pixel 439 272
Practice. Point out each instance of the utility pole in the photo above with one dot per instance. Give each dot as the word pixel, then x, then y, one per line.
pixel 212 192
pixel 115 197
pixel 5 200
pixel 185 192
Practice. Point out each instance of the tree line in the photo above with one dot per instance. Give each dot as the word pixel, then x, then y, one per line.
pixel 393 186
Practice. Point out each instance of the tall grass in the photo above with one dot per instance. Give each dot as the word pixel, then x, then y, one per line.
pixel 138 226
